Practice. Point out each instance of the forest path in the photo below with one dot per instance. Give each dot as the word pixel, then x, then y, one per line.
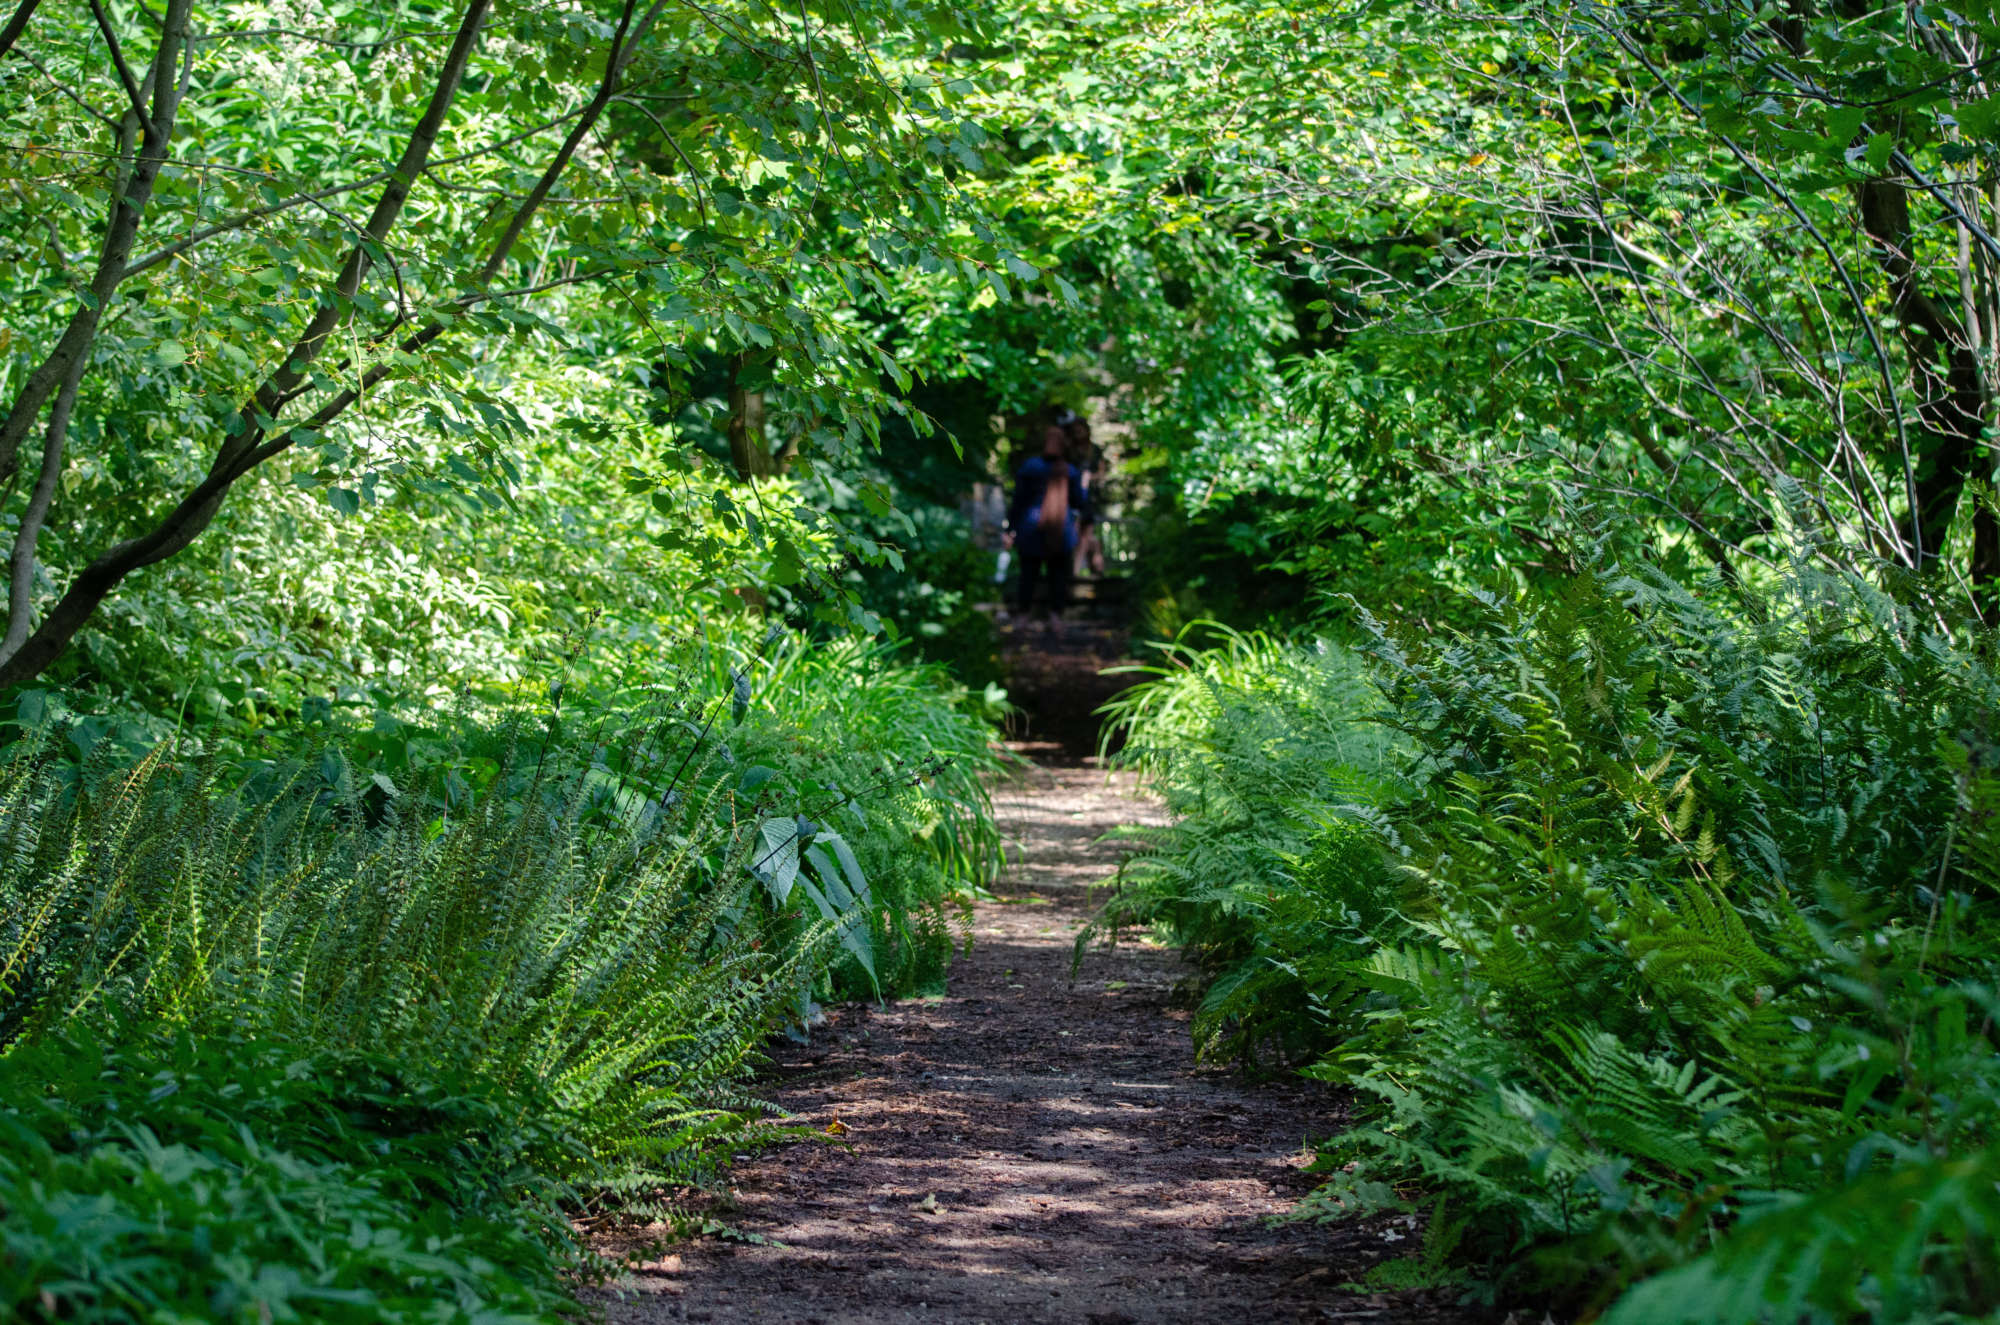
pixel 1028 1149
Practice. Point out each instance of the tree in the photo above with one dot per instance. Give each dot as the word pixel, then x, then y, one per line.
pixel 204 296
pixel 1723 273
pixel 1750 253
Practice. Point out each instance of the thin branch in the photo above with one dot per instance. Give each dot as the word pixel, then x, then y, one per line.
pixel 133 190
pixel 1812 91
pixel 1950 204
pixel 1913 557
pixel 125 77
pixel 27 535
pixel 248 447
pixel 297 35
pixel 171 251
pixel 388 209
pixel 614 65
pixel 168 252
pixel 107 121
pixel 825 114
pixel 520 291
pixel 700 185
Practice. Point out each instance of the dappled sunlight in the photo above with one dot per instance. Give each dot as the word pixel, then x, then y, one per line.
pixel 1026 1148
pixel 999 662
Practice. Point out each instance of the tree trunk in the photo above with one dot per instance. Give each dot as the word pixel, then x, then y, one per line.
pixel 24 654
pixel 1954 398
pixel 749 448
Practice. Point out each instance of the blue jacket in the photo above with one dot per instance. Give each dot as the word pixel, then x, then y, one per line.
pixel 1024 516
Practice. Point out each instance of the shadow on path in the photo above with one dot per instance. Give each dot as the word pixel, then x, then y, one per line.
pixel 1029 1149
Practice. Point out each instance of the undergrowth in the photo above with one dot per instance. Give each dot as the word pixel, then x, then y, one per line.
pixel 297 1035
pixel 177 1177
pixel 1267 872
pixel 1653 935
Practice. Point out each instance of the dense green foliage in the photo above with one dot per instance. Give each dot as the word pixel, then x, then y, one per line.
pixel 1258 748
pixel 1656 932
pixel 462 765
pixel 454 460
pixel 543 192
pixel 419 1001
pixel 218 1178
pixel 1643 893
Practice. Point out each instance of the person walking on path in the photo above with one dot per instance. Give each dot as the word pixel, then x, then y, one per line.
pixel 1088 459
pixel 1043 520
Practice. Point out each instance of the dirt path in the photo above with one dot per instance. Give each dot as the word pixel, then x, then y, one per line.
pixel 1026 1149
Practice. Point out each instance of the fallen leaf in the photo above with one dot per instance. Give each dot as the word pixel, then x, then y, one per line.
pixel 836 1128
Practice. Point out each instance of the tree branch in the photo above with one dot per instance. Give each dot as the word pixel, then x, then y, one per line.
pixel 241 34
pixel 70 93
pixel 17 23
pixel 249 448
pixel 268 397
pixel 168 252
pixel 125 77
pixel 27 536
pixel 253 444
pixel 1912 556
pixel 667 136
pixel 615 61
pixel 128 205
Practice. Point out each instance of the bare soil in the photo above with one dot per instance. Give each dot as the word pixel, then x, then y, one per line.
pixel 1030 1147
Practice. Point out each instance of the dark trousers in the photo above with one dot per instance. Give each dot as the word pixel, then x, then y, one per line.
pixel 1056 568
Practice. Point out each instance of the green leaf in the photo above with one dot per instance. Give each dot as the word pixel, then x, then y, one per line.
pixel 775 857
pixel 844 905
pixel 850 866
pixel 1842 123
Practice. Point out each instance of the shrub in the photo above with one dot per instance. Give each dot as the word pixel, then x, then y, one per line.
pixel 558 931
pixel 895 754
pixel 1271 766
pixel 1688 965
pixel 218 1178
pixel 532 967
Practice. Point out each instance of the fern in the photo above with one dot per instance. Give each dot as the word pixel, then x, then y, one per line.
pixel 573 911
pixel 1905 1244
pixel 1669 908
